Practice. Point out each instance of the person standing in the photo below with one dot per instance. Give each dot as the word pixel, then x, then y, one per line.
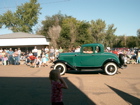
pixel 57 83
pixel 60 50
pixel 47 58
pixel 15 54
pixel 52 51
pixel 44 60
pixel 56 52
pixel 10 56
pixel 46 49
pixel 35 51
pixel 5 59
pixel 42 52
pixel 19 55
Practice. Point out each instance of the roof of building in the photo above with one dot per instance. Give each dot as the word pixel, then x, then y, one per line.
pixel 20 35
pixel 23 42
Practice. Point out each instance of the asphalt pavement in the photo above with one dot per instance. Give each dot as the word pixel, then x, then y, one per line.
pixel 22 85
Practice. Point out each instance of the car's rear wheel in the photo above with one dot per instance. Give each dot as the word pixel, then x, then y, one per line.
pixel 61 67
pixel 110 68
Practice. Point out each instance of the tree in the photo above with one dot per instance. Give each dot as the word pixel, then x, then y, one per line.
pixel 131 41
pixel 49 22
pixel 54 33
pixel 51 27
pixel 83 35
pixel 98 30
pixel 7 19
pixel 110 36
pixel 25 17
pixel 69 32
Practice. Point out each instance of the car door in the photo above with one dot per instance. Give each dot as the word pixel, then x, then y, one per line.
pixel 93 58
pixel 87 60
pixel 87 57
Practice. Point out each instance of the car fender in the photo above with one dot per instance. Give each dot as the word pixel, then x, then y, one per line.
pixel 60 61
pixel 64 62
pixel 112 60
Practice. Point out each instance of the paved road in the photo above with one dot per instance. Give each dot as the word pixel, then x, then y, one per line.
pixel 22 85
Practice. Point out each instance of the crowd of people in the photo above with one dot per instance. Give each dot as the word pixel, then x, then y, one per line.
pixel 131 56
pixel 48 55
pixel 30 58
pixel 10 57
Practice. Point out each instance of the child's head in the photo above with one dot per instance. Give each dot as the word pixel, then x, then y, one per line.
pixel 54 75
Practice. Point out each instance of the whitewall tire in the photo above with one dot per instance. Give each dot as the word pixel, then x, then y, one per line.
pixel 61 67
pixel 110 68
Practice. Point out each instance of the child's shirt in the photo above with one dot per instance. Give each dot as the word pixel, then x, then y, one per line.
pixel 47 57
pixel 44 60
pixel 5 58
pixel 56 91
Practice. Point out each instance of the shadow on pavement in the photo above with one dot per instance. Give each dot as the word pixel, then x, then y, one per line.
pixel 127 97
pixel 36 91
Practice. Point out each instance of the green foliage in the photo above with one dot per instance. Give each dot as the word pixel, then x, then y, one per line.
pixel 69 31
pixel 98 30
pixel 52 27
pixel 50 21
pixel 7 19
pixel 84 35
pixel 74 32
pixel 23 19
pixel 119 42
pixel 126 41
pixel 110 37
pixel 131 41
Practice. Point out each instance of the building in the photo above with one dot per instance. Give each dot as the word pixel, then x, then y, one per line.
pixel 24 41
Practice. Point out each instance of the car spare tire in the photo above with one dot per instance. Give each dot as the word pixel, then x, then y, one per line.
pixel 121 58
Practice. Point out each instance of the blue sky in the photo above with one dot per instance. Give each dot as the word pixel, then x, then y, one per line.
pixel 124 14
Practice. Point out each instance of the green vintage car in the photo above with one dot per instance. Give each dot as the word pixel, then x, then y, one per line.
pixel 91 56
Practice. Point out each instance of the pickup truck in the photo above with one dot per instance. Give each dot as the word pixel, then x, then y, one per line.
pixel 91 56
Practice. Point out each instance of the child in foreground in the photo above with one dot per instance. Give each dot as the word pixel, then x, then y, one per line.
pixel 57 83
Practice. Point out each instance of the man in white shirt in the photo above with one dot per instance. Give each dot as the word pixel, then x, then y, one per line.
pixel 35 51
pixel 77 49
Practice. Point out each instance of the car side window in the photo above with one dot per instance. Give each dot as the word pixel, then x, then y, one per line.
pixel 88 50
pixel 97 49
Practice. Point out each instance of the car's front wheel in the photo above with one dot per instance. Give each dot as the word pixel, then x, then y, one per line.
pixel 110 68
pixel 61 67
